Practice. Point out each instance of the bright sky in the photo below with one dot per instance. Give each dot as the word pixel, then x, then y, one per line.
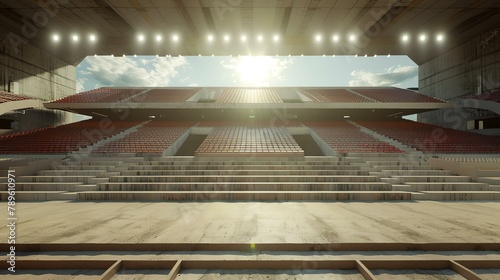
pixel 261 71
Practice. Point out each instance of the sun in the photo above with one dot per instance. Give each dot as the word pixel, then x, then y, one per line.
pixel 255 71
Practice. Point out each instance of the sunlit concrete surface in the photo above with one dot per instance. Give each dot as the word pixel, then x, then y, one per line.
pixel 285 222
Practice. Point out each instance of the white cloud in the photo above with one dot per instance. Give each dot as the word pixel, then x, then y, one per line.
pixel 80 84
pixel 390 77
pixel 125 71
pixel 256 71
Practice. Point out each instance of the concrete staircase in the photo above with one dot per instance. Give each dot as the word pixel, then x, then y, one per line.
pixel 358 177
pixel 422 180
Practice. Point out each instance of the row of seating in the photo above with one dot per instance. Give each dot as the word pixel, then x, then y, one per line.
pixel 332 95
pixel 433 139
pixel 394 95
pixel 344 137
pixel 7 97
pixel 101 95
pixel 249 140
pixel 61 139
pixel 153 137
pixel 164 96
pixel 490 96
pixel 249 95
pixel 277 123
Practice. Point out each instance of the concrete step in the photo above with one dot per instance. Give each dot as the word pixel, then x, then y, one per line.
pixel 91 161
pixel 59 179
pixel 245 196
pixel 246 186
pixel 254 178
pixel 237 163
pixel 431 178
pixel 243 159
pixel 46 186
pixel 448 186
pixel 404 167
pixel 84 167
pixel 39 196
pixel 457 195
pixel 71 172
pixel 243 167
pixel 489 180
pixel 390 173
pixel 242 172
pixel 390 180
pixel 488 173
pixel 396 163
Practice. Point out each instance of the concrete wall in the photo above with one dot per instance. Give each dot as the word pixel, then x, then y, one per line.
pixel 471 68
pixel 28 70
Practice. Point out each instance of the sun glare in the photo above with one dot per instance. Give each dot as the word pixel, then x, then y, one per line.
pixel 255 70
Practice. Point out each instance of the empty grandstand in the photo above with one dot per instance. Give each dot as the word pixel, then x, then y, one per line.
pixel 298 182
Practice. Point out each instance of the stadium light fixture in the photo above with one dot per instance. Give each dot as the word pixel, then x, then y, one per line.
pixel 405 38
pixel 422 38
pixel 243 38
pixel 335 38
pixel 175 38
pixel 374 55
pixel 389 55
pixel 260 38
pixel 210 38
pixel 440 37
pixel 276 38
pixel 352 38
pixel 158 38
pixel 318 38
pixel 141 38
pixel 92 37
pixel 226 38
pixel 135 55
pixel 56 38
pixel 75 38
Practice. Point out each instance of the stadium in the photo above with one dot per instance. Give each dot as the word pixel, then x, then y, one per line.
pixel 242 182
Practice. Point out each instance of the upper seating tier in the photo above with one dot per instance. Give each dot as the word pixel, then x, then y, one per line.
pixel 249 95
pixel 164 96
pixel 394 95
pixel 100 95
pixel 332 95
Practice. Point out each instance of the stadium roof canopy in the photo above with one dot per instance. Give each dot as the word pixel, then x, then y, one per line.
pixel 287 27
